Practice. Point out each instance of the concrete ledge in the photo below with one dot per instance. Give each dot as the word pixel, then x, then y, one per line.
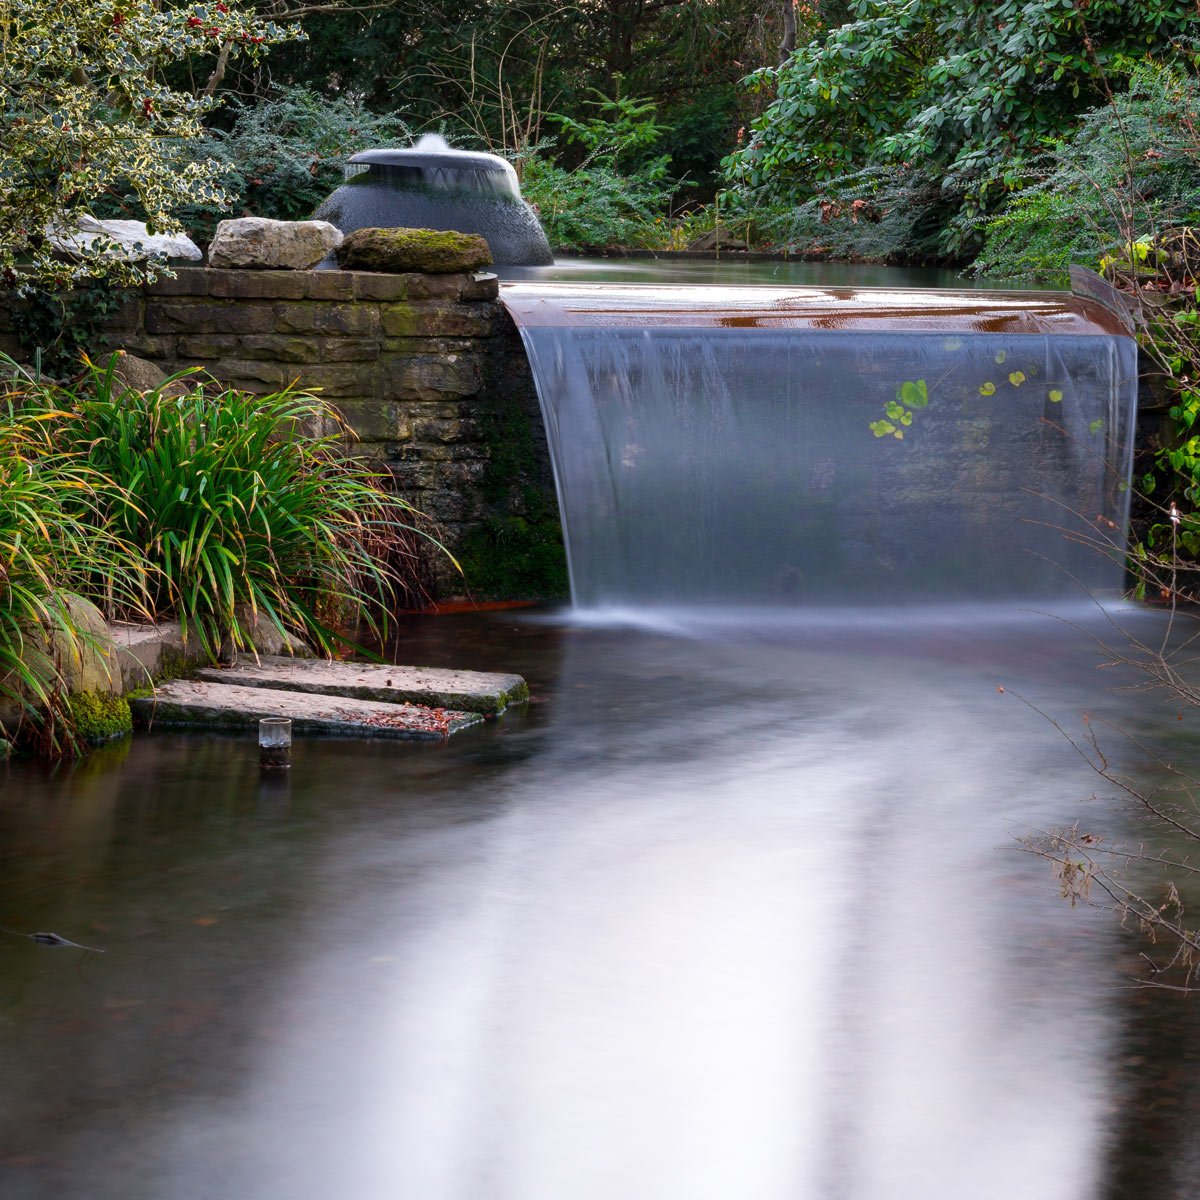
pixel 197 704
pixel 469 691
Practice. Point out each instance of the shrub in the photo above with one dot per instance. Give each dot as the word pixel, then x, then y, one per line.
pixel 54 541
pixel 595 206
pixel 88 116
pixel 240 513
pixel 1130 167
pixel 282 156
pixel 619 194
pixel 879 214
pixel 965 95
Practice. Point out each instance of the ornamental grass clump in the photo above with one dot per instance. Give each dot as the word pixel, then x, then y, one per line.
pixel 246 509
pixel 55 543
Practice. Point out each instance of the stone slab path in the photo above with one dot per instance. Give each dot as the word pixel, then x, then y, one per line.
pixel 465 691
pixel 200 704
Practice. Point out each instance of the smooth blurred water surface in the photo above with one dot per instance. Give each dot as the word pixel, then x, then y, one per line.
pixel 728 913
pixel 732 269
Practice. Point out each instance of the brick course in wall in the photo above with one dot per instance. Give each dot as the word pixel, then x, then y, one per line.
pixel 422 367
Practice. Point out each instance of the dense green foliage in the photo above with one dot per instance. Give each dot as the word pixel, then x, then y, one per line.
pixel 87 115
pixel 282 156
pixel 238 512
pixel 963 96
pixel 194 501
pixel 1128 168
pixel 54 541
pixel 617 195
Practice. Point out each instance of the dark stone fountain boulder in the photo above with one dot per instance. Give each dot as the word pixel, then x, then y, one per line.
pixel 432 186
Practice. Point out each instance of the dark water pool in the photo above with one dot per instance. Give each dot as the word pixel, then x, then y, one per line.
pixel 728 912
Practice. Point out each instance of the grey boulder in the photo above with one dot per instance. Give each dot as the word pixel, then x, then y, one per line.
pixel 127 240
pixel 272 245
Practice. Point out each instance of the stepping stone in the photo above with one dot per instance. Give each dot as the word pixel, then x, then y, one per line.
pixel 198 704
pixel 466 691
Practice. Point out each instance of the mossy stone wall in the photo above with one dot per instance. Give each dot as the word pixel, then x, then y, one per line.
pixel 427 369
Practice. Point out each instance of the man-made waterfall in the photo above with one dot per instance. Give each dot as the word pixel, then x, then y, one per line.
pixel 809 446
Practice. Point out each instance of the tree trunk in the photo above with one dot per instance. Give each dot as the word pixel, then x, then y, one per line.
pixel 788 45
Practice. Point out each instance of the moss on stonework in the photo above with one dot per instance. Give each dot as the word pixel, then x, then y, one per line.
pixel 429 251
pixel 99 718
pixel 516 553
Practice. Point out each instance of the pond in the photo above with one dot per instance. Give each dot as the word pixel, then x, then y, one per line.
pixel 731 911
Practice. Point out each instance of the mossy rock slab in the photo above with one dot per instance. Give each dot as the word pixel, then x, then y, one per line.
pixel 467 691
pixel 198 704
pixel 428 251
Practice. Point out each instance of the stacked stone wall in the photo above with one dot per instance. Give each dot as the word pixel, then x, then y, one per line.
pixel 426 369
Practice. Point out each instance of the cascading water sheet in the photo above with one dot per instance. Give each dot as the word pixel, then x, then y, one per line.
pixel 815 446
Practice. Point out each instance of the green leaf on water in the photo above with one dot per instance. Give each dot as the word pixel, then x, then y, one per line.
pixel 1055 396
pixel 906 419
pixel 882 428
pixel 915 393
pixel 1096 425
pixel 894 410
pixel 1016 378
pixel 988 389
pixel 1001 355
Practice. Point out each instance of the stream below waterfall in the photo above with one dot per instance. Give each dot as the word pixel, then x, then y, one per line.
pixel 732 911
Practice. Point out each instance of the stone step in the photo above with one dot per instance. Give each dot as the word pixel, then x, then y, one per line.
pixel 199 704
pixel 466 691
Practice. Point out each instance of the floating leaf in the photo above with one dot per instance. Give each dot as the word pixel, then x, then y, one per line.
pixel 882 428
pixel 1001 355
pixel 894 410
pixel 906 419
pixel 1016 378
pixel 952 344
pixel 1055 396
pixel 915 393
pixel 988 389
pixel 1096 425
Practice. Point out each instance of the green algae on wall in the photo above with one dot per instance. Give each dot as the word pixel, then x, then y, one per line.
pixel 516 551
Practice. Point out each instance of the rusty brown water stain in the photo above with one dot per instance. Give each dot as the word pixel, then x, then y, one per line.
pixel 826 309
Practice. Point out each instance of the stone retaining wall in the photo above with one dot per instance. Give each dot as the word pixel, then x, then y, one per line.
pixel 427 369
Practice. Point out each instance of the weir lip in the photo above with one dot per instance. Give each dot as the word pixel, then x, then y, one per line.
pixel 543 305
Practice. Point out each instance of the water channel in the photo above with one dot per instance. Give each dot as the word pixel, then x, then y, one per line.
pixel 733 910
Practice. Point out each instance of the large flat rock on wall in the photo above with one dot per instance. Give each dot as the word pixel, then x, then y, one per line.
pixel 427 370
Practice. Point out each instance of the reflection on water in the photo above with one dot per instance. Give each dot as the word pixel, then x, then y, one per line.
pixel 720 917
pixel 732 270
